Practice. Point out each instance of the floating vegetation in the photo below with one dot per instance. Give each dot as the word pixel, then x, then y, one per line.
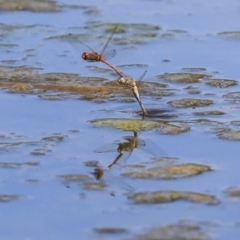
pixel 190 102
pixel 194 69
pixel 182 77
pixel 74 177
pixel 172 196
pixel 182 230
pixel 29 5
pixel 230 34
pixel 221 83
pixel 140 125
pixel 110 230
pixel 168 172
pixel 9 198
pixel 193 90
pixel 21 88
pixel 18 165
pixel 229 135
pixel 94 186
pixel 6 146
pixel 233 192
pixel 28 80
pixel 211 112
pixel 234 95
pixel 54 138
pixel 93 163
pixel 55 97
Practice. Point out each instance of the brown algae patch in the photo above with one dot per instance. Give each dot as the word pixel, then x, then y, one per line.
pixel 221 83
pixel 233 192
pixel 92 163
pixel 139 125
pixel 190 102
pixel 192 90
pixel 94 186
pixel 174 130
pixel 168 172
pixel 229 135
pixel 29 5
pixel 54 138
pixel 55 96
pixel 74 177
pixel 9 198
pixel 28 80
pixel 21 88
pixel 110 230
pixel 172 196
pixel 182 77
pixel 233 96
pixel 183 230
pixel 230 34
pixel 18 165
pixel 194 69
pixel 209 113
pixel 85 181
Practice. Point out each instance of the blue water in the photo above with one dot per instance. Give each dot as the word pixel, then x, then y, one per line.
pixel 50 208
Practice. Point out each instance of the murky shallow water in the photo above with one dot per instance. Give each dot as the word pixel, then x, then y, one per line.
pixel 181 177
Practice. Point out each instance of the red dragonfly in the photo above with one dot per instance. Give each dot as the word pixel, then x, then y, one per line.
pixel 94 56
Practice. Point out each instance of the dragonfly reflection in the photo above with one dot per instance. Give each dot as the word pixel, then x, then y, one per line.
pixel 104 176
pixel 126 148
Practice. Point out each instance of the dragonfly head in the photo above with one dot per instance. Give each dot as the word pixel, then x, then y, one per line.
pixel 98 173
pixel 121 80
pixel 84 56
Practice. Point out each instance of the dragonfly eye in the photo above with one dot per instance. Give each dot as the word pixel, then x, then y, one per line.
pixel 84 56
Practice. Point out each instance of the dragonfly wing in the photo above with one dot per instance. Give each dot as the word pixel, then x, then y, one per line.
pixel 108 40
pixel 142 76
pixel 112 180
pixel 125 157
pixel 78 45
pixel 141 143
pixel 109 53
pixel 152 148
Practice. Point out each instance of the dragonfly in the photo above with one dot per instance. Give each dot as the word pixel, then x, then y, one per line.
pixel 126 148
pixel 104 176
pixel 130 83
pixel 94 56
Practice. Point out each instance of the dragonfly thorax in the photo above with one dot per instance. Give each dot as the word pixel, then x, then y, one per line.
pixel 91 57
pixel 127 82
